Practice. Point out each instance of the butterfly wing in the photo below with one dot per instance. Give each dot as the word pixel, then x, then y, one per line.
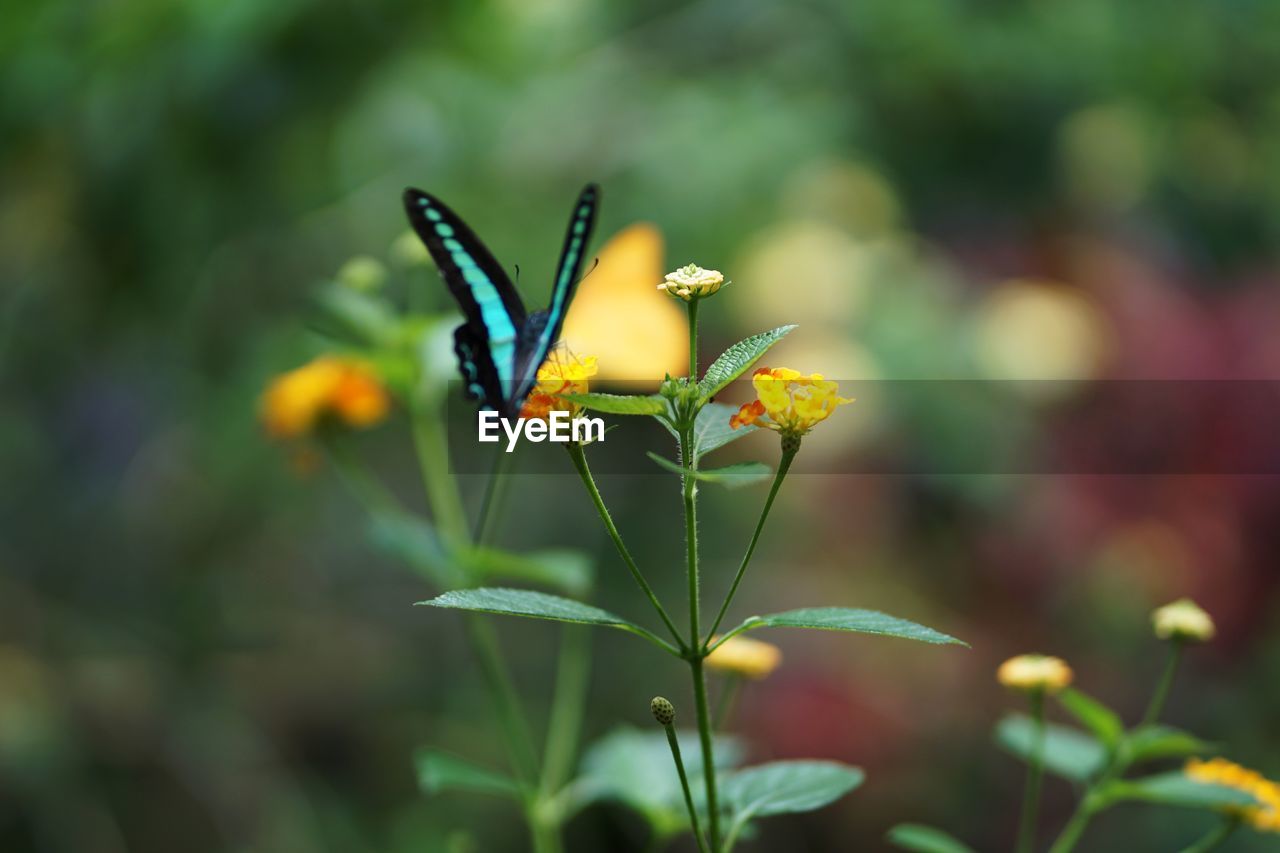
pixel 638 332
pixel 543 328
pixel 488 341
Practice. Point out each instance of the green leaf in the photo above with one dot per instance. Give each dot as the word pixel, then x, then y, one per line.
pixel 783 787
pixel 1093 715
pixel 1174 789
pixel 730 476
pixel 360 317
pixel 1068 752
pixel 711 429
pixel 537 605
pixel 566 570
pixel 620 404
pixel 414 541
pixel 439 772
pixel 848 619
pixel 925 839
pixel 737 359
pixel 1146 743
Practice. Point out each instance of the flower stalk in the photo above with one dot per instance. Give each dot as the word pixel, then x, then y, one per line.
pixel 665 713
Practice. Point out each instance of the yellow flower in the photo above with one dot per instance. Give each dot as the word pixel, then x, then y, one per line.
pixel 1034 673
pixel 1264 817
pixel 692 280
pixel 1182 620
pixel 345 389
pixel 742 656
pixel 559 375
pixel 789 401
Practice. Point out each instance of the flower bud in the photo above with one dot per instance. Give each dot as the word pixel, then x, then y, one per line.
pixel 692 281
pixel 363 273
pixel 1035 674
pixel 663 711
pixel 744 656
pixel 1182 620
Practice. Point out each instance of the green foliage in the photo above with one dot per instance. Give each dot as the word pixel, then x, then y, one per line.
pixel 1173 789
pixel 1068 752
pixel 1147 743
pixel 561 568
pixel 730 476
pixel 1093 715
pixel 848 619
pixel 439 772
pixel 925 839
pixel 620 404
pixel 783 787
pixel 414 541
pixel 737 359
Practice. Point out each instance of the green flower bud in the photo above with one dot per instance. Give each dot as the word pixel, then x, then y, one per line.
pixel 663 711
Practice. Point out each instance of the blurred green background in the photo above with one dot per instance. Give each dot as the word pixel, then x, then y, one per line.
pixel 199 649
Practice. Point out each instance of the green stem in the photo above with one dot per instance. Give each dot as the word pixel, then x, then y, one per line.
pixel 494 493
pixel 579 458
pixel 693 339
pixel 783 466
pixel 524 759
pixel 730 692
pixel 684 785
pixel 1164 684
pixel 1215 837
pixel 1035 772
pixel 708 753
pixel 567 706
pixel 442 490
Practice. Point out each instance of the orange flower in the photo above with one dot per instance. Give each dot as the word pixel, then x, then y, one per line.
pixel 1264 817
pixel 558 376
pixel 788 401
pixel 329 386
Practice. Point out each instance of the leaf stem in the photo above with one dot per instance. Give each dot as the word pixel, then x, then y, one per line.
pixel 1035 772
pixel 1161 693
pixel 579 457
pixel 674 742
pixel 783 466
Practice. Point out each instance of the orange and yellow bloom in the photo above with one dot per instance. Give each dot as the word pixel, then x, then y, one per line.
pixel 1035 674
pixel 1265 816
pixel 559 375
pixel 344 389
pixel 743 656
pixel 788 401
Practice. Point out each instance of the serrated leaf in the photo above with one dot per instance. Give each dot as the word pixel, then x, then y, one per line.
pixel 537 605
pixel 711 429
pixel 620 404
pixel 439 772
pixel 925 839
pixel 563 569
pixel 1068 752
pixel 730 476
pixel 737 359
pixel 1146 743
pixel 1093 715
pixel 848 619
pixel 1174 789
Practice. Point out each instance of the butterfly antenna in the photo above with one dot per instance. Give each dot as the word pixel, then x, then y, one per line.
pixel 595 263
pixel 517 266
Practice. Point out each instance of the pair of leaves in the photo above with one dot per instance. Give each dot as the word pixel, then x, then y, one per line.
pixel 414 541
pixel 539 605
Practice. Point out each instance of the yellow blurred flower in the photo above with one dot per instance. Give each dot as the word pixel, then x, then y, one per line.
pixel 1182 620
pixel 692 280
pixel 1035 673
pixel 345 389
pixel 743 656
pixel 1264 817
pixel 789 401
pixel 560 374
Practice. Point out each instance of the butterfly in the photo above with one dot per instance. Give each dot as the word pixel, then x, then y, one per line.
pixel 654 340
pixel 500 346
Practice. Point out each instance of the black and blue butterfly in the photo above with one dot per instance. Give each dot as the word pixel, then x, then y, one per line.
pixel 500 346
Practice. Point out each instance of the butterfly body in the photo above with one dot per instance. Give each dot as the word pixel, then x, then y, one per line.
pixel 500 345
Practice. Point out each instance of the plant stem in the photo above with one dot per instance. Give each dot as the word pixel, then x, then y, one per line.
pixel 693 339
pixel 1070 835
pixel 1162 686
pixel 579 458
pixel 783 466
pixel 567 705
pixel 1215 837
pixel 441 489
pixel 674 742
pixel 494 493
pixel 730 692
pixel 1035 771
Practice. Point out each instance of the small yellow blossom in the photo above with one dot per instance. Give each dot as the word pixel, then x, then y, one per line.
pixel 743 656
pixel 692 280
pixel 1264 817
pixel 1035 673
pixel 792 403
pixel 345 389
pixel 1182 620
pixel 560 374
